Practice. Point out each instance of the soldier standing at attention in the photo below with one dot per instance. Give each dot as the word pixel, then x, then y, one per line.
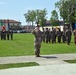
pixel 75 36
pixel 8 33
pixel 47 35
pixel 68 36
pixel 37 40
pixel 11 34
pixel 59 35
pixel 43 32
pixel 2 35
pixel 64 35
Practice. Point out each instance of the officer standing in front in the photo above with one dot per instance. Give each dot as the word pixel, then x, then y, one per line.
pixel 37 40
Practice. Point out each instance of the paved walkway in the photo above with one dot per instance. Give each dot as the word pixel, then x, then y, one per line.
pixel 49 64
pixel 64 69
pixel 43 60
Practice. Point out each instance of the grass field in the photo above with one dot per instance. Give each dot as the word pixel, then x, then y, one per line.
pixel 22 44
pixel 70 61
pixel 17 65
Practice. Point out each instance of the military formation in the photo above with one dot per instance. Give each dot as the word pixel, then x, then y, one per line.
pixel 6 35
pixel 51 36
pixel 56 35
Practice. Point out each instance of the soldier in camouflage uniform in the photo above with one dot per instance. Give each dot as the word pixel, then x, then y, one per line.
pixel 75 36
pixel 68 36
pixel 43 32
pixel 59 35
pixel 37 40
pixel 64 35
pixel 47 35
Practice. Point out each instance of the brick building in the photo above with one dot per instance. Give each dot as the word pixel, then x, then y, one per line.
pixel 7 23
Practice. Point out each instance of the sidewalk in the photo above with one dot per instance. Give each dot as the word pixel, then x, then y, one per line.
pixel 64 69
pixel 43 60
pixel 49 65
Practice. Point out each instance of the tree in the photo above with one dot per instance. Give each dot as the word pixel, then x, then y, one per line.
pixel 62 7
pixel 30 16
pixel 54 18
pixel 65 8
pixel 41 16
pixel 37 16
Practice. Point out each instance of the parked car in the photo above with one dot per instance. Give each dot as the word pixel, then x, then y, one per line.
pixel 19 31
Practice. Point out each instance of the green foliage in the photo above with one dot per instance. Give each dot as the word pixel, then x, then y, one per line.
pixel 36 16
pixel 43 22
pixel 1 23
pixel 42 16
pixel 30 16
pixel 66 10
pixel 54 15
pixel 54 18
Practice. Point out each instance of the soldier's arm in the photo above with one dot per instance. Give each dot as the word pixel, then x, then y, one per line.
pixel 33 32
pixel 74 33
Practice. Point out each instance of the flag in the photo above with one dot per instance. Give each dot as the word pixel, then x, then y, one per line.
pixel 3 27
pixel 1 23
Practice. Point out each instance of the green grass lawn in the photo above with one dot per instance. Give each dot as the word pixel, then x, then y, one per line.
pixel 17 65
pixel 70 61
pixel 22 45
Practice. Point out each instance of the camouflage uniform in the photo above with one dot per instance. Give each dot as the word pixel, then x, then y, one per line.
pixel 43 32
pixel 8 33
pixel 3 35
pixel 47 35
pixel 37 41
pixel 53 35
pixel 11 34
pixel 68 36
pixel 59 35
pixel 64 35
pixel 75 36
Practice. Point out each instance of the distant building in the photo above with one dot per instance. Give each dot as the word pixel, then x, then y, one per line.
pixel 9 23
pixel 49 25
pixel 61 23
pixel 28 28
